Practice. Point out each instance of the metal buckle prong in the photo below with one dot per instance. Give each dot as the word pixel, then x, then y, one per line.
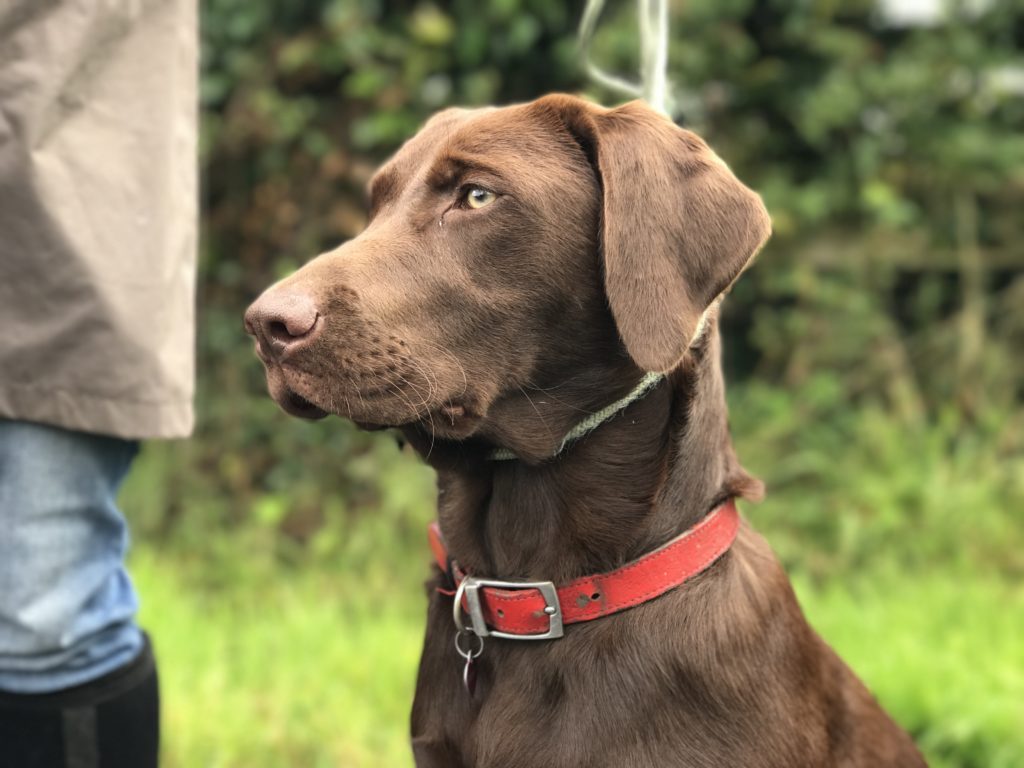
pixel 470 587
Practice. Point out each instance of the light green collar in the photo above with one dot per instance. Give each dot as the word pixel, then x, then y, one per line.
pixel 594 420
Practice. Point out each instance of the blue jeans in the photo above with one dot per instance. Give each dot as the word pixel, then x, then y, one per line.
pixel 67 605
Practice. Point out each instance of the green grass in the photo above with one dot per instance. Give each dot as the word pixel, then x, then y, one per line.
pixel 944 654
pixel 281 670
pixel 287 666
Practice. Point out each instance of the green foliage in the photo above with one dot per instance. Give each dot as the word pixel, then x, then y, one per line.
pixel 854 487
pixel 883 323
pixel 891 160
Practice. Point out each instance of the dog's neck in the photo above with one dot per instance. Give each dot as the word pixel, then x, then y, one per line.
pixel 632 484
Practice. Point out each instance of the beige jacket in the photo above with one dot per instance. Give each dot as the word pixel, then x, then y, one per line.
pixel 98 200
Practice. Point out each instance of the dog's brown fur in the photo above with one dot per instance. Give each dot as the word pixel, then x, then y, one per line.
pixel 612 236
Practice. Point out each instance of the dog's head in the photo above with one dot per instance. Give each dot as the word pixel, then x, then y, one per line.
pixel 511 250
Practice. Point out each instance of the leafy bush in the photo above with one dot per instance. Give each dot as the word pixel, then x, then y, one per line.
pixel 893 171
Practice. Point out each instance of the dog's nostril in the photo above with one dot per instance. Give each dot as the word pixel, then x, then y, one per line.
pixel 278 331
pixel 279 319
pixel 293 320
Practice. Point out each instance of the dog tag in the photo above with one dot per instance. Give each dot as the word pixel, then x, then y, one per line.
pixel 469 654
pixel 469 676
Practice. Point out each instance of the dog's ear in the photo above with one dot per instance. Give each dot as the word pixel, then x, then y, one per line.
pixel 678 226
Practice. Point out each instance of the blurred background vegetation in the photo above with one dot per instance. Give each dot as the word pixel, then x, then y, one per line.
pixel 875 354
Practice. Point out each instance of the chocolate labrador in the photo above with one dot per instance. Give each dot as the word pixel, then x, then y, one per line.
pixel 534 305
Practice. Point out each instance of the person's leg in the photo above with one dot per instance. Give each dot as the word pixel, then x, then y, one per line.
pixel 77 678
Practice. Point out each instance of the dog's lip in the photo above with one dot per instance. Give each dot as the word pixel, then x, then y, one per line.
pixel 296 405
pixel 263 356
pixel 454 415
pixel 370 426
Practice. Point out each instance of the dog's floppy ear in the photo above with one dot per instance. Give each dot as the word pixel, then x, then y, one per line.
pixel 678 226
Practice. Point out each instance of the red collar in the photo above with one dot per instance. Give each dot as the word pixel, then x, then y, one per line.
pixel 538 610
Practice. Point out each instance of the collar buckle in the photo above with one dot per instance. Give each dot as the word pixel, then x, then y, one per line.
pixel 470 587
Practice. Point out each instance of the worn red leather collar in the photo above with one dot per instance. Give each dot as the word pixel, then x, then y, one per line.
pixel 538 610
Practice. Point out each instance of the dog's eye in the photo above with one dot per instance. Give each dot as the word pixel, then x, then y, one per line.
pixel 478 197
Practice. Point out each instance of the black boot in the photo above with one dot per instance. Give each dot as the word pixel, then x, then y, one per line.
pixel 113 722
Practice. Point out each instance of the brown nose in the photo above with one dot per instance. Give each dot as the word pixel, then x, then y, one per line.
pixel 280 320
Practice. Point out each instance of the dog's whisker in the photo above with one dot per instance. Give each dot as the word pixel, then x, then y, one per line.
pixel 537 411
pixel 560 401
pixel 414 408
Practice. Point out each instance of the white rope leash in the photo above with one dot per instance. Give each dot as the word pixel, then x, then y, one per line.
pixel 653 23
pixel 594 420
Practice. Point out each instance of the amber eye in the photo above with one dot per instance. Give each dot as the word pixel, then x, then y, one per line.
pixel 478 197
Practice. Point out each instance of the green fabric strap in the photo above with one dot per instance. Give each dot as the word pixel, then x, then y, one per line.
pixel 592 422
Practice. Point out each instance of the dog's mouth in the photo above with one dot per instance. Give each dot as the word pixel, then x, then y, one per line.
pixel 285 393
pixel 373 410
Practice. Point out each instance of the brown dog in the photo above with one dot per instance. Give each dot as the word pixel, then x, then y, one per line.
pixel 522 268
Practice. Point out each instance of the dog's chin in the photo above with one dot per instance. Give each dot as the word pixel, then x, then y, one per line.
pixel 447 422
pixel 451 421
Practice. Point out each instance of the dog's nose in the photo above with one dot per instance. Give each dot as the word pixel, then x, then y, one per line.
pixel 279 320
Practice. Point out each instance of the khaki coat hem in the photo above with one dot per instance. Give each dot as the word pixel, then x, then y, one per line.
pixel 86 413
